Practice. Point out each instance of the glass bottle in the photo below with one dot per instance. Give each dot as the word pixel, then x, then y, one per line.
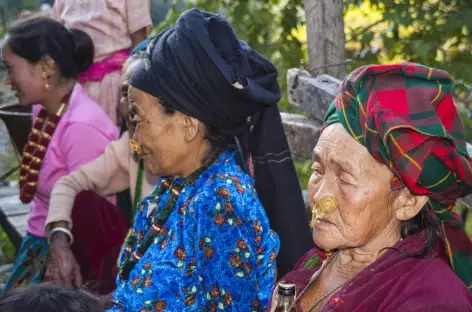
pixel 286 300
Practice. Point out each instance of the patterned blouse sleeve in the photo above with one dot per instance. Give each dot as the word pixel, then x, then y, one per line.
pixel 236 249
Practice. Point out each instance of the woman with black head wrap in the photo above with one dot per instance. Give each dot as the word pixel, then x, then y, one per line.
pixel 202 239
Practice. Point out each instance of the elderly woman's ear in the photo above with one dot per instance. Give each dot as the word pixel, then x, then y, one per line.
pixel 406 205
pixel 192 127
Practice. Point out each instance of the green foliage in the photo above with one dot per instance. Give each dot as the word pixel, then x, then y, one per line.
pixel 303 168
pixel 6 246
pixel 436 33
pixel 268 26
pixel 467 126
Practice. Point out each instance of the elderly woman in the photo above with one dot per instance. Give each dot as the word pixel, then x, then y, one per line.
pixel 202 240
pixel 388 167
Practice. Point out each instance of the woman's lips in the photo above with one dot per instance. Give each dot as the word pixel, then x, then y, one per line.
pixel 322 223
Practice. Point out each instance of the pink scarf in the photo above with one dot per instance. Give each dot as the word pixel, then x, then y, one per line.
pixel 99 70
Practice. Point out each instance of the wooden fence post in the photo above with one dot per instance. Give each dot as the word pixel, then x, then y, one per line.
pixel 325 35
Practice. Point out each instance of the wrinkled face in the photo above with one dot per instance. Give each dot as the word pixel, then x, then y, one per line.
pixel 124 105
pixel 160 134
pixel 26 79
pixel 343 168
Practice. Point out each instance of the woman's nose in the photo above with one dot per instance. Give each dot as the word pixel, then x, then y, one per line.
pixel 325 188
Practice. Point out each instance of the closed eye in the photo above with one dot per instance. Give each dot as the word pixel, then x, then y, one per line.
pixel 347 178
pixel 316 168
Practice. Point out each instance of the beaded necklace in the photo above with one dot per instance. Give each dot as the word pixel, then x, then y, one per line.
pixel 34 151
pixel 139 186
pixel 158 220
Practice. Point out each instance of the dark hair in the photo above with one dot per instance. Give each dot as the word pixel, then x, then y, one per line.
pixel 50 298
pixel 424 220
pixel 84 49
pixel 219 142
pixel 33 39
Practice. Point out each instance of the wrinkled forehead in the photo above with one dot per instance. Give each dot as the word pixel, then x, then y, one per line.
pixel 142 101
pixel 336 145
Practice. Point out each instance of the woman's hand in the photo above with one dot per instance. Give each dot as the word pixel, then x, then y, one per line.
pixel 63 267
pixel 105 300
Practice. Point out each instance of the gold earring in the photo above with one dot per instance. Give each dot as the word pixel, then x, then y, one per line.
pixel 46 82
pixel 136 147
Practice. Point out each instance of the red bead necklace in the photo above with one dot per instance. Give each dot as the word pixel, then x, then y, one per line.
pixel 35 149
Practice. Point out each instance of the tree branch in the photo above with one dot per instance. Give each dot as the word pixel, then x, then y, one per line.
pixel 368 27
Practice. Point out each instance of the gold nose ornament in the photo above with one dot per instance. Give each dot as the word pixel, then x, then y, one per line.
pixel 326 205
pixel 136 147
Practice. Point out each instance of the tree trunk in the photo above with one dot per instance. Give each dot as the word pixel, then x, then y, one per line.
pixel 325 34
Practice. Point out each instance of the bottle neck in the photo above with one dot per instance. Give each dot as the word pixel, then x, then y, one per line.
pixel 284 303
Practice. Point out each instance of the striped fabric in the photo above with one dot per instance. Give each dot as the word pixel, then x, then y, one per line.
pixel 406 117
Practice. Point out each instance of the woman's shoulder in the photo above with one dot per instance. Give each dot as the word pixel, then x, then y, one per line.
pixel 431 275
pixel 230 182
pixel 228 186
pixel 423 285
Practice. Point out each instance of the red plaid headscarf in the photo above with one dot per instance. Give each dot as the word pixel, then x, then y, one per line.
pixel 406 117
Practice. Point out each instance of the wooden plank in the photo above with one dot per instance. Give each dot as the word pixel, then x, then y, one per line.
pixel 12 206
pixel 13 215
pixel 19 223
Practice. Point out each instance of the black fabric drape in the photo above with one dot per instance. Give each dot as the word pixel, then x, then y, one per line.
pixel 278 188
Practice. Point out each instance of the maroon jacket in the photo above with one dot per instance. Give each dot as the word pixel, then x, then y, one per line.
pixel 393 283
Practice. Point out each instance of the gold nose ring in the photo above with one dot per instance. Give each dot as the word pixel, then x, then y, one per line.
pixel 136 147
pixel 327 204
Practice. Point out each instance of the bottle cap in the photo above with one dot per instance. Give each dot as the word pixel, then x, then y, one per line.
pixel 286 288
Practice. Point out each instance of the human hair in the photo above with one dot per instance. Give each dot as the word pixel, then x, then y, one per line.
pixel 219 141
pixel 423 221
pixel 139 55
pixel 36 38
pixel 50 298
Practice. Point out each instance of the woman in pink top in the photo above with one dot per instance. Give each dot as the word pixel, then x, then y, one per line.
pixel 43 62
pixel 115 28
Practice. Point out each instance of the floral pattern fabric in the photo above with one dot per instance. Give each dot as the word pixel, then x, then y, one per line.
pixel 216 252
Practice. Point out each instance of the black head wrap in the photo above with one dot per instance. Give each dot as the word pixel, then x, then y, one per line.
pixel 203 70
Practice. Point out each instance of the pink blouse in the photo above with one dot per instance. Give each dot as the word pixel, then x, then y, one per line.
pixel 81 135
pixel 108 22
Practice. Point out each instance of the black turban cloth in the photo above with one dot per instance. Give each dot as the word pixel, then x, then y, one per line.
pixel 203 70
